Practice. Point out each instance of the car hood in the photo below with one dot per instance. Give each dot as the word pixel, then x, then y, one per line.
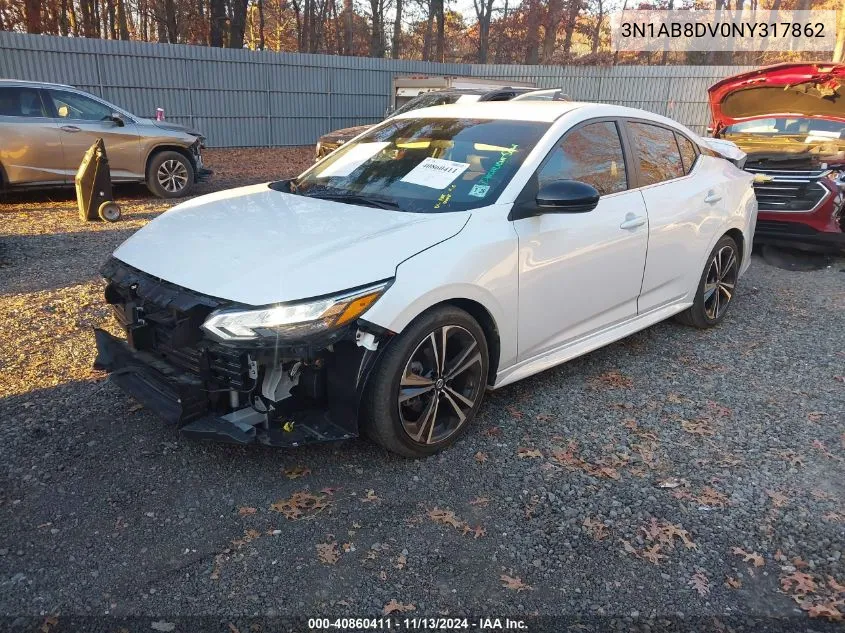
pixel 806 89
pixel 174 127
pixel 344 135
pixel 258 246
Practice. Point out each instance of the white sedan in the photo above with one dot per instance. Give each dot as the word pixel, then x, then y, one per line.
pixel 442 253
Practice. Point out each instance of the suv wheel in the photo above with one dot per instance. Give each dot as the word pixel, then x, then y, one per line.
pixel 428 385
pixel 170 175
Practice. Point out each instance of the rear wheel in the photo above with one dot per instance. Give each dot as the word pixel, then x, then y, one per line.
pixel 717 286
pixel 429 384
pixel 170 175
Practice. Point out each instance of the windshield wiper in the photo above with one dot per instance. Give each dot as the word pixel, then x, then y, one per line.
pixel 357 198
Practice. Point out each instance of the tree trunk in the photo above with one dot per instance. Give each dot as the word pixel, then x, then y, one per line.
pixel 532 35
pixel 112 19
pixel 376 29
pixel 571 20
pixel 483 13
pixel 440 37
pixel 426 52
pixel 597 30
pixel 122 24
pixel 32 10
pixel 217 14
pixel 397 31
pixel 238 25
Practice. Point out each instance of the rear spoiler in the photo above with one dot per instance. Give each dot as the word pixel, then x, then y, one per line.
pixel 726 149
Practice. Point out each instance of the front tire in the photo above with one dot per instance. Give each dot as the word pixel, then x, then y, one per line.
pixel 170 175
pixel 716 288
pixel 429 384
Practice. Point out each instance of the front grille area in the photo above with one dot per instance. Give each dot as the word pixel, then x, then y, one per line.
pixel 164 320
pixel 788 191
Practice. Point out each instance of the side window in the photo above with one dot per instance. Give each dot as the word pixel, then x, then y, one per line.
pixel 21 102
pixel 688 154
pixel 591 154
pixel 70 105
pixel 658 152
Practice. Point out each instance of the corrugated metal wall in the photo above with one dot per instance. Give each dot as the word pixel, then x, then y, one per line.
pixel 242 98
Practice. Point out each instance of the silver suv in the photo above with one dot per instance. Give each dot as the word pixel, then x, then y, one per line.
pixel 45 130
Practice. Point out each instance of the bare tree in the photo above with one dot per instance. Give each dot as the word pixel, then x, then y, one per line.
pixel 397 31
pixel 217 11
pixel 532 35
pixel 438 8
pixel 483 12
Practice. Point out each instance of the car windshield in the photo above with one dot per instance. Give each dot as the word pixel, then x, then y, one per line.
pixel 425 165
pixel 815 129
pixel 430 99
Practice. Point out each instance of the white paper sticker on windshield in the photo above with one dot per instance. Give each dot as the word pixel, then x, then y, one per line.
pixel 351 160
pixel 435 173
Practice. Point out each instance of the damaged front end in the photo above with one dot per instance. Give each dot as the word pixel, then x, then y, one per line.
pixel 231 373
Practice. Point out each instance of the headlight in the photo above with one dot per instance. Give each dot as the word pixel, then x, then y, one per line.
pixel 292 320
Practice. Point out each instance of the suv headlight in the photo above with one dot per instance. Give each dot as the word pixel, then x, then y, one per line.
pixel 293 320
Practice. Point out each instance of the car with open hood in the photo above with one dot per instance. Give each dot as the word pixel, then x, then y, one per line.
pixel 45 130
pixel 445 252
pixel 330 141
pixel 790 121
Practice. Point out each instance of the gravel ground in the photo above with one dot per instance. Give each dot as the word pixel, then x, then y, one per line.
pixel 695 476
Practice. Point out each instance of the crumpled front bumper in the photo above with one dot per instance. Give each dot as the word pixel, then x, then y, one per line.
pixel 180 398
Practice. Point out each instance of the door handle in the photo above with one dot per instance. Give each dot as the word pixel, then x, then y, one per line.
pixel 69 128
pixel 633 221
pixel 712 197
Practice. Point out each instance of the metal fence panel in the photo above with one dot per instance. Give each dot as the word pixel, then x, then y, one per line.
pixel 242 98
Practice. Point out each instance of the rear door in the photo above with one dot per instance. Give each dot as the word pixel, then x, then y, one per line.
pixel 684 203
pixel 30 149
pixel 82 120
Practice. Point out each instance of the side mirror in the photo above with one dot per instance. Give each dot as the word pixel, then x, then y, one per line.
pixel 117 119
pixel 567 196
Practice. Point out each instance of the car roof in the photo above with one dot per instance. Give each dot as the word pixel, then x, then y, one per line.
pixel 542 111
pixel 34 84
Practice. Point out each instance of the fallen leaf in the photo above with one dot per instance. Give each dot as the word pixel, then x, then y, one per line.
pixel 835 586
pixel 135 407
pixel 733 583
pixel 523 452
pixel 297 471
pixel 446 517
pixel 595 528
pixel 244 511
pixel 479 501
pixel 516 413
pixel 749 557
pixel 611 380
pixel 672 482
pixel 233 628
pixel 397 607
pixel 49 622
pixel 514 584
pixel 798 583
pixel 700 583
pixel 401 561
pixel 815 416
pixel 301 505
pixel 481 457
pixel 652 554
pixel 825 610
pixel 493 431
pixel 328 553
pixel 370 497
pixel 697 427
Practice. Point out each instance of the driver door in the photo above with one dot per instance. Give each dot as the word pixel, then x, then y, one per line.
pixel 581 272
pixel 82 120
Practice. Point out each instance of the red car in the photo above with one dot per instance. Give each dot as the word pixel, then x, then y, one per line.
pixel 790 120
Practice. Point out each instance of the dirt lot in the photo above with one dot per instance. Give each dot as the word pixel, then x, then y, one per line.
pixel 683 476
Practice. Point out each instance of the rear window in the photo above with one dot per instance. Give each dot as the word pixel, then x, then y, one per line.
pixel 21 101
pixel 660 158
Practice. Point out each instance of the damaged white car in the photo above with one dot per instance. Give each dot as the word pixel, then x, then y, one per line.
pixel 440 254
